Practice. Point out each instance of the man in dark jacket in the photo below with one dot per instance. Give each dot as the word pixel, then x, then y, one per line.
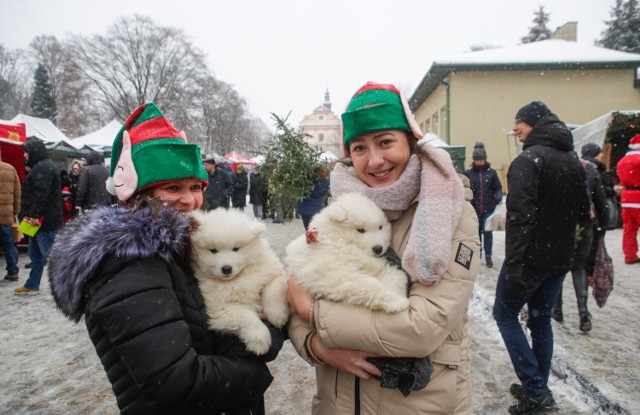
pixel 42 204
pixel 220 186
pixel 547 196
pixel 92 188
pixel 487 193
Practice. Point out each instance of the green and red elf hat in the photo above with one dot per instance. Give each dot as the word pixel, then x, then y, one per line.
pixel 149 151
pixel 377 107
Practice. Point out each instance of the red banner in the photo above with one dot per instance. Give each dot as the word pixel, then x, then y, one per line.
pixel 13 132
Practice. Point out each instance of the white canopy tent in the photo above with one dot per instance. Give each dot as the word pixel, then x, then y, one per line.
pixel 595 131
pixel 56 142
pixel 102 139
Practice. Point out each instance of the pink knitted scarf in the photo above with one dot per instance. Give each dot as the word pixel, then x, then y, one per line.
pixel 440 201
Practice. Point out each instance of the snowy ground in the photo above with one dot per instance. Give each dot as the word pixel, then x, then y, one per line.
pixel 49 366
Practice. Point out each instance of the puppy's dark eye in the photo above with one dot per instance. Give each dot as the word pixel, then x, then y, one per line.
pixel 361 230
pixel 213 251
pixel 380 227
pixel 236 249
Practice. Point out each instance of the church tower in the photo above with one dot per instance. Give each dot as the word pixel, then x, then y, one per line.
pixel 324 127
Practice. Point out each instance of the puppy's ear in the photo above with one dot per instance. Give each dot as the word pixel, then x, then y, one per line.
pixel 337 212
pixel 256 229
pixel 196 218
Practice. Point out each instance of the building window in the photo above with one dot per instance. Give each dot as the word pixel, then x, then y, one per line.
pixel 321 117
pixel 321 137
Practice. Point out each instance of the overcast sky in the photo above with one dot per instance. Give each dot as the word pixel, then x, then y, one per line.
pixel 281 55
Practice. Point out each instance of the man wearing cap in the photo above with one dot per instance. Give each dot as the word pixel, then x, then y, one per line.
pixel 628 169
pixel 220 186
pixel 547 196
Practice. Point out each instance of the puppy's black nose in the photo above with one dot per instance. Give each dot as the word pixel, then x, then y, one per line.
pixel 226 270
pixel 377 249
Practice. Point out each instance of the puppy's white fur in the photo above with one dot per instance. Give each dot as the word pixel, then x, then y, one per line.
pixel 345 264
pixel 239 276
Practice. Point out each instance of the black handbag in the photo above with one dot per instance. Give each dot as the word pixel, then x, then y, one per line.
pixel 614 219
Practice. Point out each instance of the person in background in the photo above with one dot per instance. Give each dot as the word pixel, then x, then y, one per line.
pixel 41 205
pixel 546 198
pixel 92 190
pixel 257 192
pixel 487 194
pixel 628 169
pixel 220 186
pixel 314 202
pixel 125 271
pixel 592 153
pixel 224 165
pixel 434 232
pixel 67 205
pixel 74 176
pixel 240 187
pixel 593 224
pixel 9 209
pixel 65 181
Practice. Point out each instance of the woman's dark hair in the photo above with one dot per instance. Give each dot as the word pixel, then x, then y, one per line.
pixel 414 148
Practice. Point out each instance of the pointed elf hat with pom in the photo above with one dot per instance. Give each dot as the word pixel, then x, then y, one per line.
pixel 376 107
pixel 149 151
pixel 634 143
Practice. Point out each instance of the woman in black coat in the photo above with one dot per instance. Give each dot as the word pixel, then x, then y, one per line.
pixel 126 270
pixel 240 186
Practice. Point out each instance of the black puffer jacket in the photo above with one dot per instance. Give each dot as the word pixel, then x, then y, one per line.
pixel 240 186
pixel 147 319
pixel 257 189
pixel 219 189
pixel 486 187
pixel 547 197
pixel 92 187
pixel 41 188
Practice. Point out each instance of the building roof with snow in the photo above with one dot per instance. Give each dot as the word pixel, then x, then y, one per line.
pixel 546 54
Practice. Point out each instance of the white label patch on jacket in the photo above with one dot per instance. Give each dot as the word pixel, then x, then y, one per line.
pixel 464 255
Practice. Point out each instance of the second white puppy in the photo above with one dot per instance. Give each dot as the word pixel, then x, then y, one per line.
pixel 342 257
pixel 239 276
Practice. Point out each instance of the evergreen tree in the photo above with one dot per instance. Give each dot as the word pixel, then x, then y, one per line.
pixel 623 30
pixel 43 102
pixel 539 31
pixel 289 167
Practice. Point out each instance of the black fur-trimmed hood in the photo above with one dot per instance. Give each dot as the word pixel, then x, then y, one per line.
pixel 84 242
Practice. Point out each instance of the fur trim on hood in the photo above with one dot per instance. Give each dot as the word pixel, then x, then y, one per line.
pixel 109 231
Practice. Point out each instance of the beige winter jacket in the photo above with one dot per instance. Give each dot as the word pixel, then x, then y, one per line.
pixel 9 194
pixel 435 325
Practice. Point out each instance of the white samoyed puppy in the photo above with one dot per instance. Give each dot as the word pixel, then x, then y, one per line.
pixel 342 258
pixel 239 276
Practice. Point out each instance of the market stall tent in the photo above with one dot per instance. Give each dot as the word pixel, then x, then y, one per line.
pixel 611 131
pixel 234 158
pixel 100 140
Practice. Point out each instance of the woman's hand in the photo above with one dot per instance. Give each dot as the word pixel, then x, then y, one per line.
pixel 347 360
pixel 299 298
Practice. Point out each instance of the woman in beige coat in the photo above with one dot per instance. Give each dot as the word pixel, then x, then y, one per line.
pixel 435 235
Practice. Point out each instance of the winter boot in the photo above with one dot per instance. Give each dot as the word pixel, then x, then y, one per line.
pixel 585 316
pixel 517 391
pixel 489 262
pixel 534 405
pixel 585 322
